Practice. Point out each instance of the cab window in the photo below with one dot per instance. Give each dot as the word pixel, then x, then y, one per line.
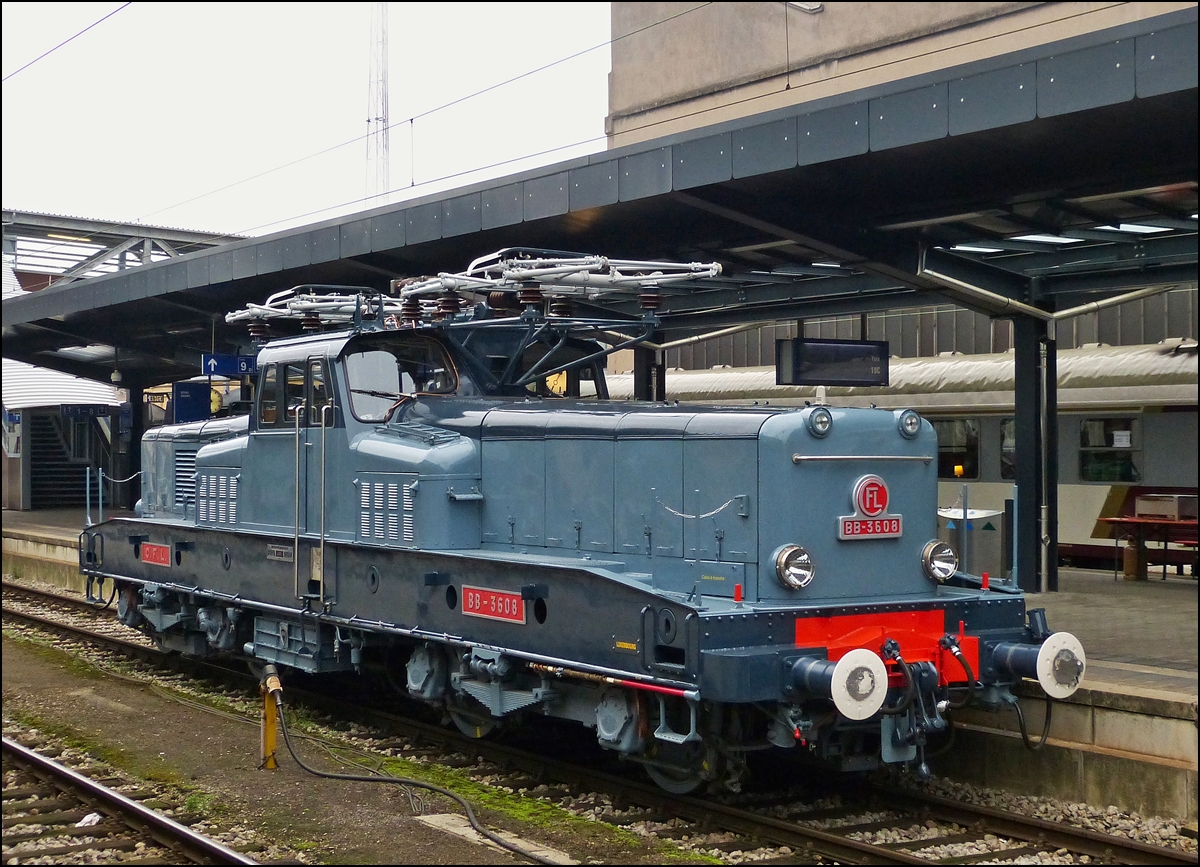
pixel 293 390
pixel 318 394
pixel 268 396
pixel 382 370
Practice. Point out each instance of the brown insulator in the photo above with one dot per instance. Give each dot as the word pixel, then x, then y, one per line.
pixel 310 323
pixel 500 300
pixel 449 304
pixel 529 295
pixel 410 309
pixel 259 333
pixel 650 300
pixel 561 307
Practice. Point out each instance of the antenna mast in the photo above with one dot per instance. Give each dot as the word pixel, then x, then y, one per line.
pixel 377 106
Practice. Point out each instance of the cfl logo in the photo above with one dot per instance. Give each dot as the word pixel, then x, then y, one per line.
pixel 870 496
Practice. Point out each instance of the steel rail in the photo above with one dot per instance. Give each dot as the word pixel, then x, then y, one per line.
pixel 1039 833
pixel 1105 847
pixel 167 832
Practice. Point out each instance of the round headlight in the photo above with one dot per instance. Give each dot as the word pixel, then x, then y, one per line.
pixel 819 422
pixel 910 424
pixel 794 566
pixel 939 561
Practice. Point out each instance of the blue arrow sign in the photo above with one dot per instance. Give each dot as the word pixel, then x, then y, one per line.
pixel 219 365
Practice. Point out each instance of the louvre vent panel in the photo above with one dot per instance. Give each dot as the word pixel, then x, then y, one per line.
pixel 216 498
pixel 386 505
pixel 185 476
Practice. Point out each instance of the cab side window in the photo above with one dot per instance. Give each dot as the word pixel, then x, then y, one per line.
pixel 293 391
pixel 268 396
pixel 318 394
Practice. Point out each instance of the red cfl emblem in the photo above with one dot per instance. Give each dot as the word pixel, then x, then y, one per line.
pixel 871 496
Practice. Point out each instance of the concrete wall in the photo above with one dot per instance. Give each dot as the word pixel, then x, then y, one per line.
pixel 681 66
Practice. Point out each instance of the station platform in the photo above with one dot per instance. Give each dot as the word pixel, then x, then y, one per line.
pixel 1128 737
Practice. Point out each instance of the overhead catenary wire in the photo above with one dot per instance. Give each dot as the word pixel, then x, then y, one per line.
pixel 362 138
pixel 45 54
pixel 427 113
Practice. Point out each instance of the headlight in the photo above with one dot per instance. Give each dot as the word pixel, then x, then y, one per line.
pixel 939 561
pixel 794 566
pixel 909 423
pixel 819 422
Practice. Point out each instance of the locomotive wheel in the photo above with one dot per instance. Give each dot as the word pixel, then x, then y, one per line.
pixel 470 723
pixel 688 771
pixel 677 781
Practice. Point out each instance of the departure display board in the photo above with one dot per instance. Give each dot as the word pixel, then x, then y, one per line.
pixel 804 361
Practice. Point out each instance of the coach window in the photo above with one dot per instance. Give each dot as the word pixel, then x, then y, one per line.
pixel 1008 448
pixel 1109 450
pixel 293 391
pixel 268 396
pixel 958 448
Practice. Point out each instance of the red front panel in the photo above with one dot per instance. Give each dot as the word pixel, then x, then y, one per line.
pixel 493 604
pixel 159 555
pixel 917 633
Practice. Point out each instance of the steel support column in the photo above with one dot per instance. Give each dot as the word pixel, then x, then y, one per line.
pixel 649 373
pixel 137 427
pixel 1050 457
pixel 1032 416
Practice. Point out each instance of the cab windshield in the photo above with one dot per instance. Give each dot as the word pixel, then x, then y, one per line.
pixel 383 370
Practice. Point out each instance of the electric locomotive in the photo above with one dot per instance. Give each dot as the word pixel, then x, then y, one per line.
pixel 436 479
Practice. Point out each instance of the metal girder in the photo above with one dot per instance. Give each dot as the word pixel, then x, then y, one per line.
pixel 1151 275
pixel 92 261
pixel 885 259
pixel 983 274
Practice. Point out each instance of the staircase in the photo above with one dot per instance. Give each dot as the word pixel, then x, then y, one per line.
pixel 57 481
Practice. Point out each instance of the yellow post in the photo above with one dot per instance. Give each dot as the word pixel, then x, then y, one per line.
pixel 267 739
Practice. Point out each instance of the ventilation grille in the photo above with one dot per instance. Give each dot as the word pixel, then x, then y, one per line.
pixel 185 477
pixel 216 499
pixel 386 511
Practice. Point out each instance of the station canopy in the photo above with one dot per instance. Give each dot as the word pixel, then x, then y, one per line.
pixel 1023 185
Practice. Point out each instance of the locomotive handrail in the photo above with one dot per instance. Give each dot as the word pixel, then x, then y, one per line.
pixel 798 458
pixel 298 409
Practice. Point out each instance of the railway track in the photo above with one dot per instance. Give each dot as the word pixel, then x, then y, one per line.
pixel 53 811
pixel 873 826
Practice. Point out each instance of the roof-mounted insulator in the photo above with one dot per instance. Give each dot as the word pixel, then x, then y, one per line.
pixel 310 323
pixel 650 300
pixel 410 310
pixel 561 307
pixel 501 300
pixel 259 333
pixel 449 304
pixel 530 295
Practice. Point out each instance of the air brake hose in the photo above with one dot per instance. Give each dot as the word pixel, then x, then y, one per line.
pixel 949 642
pixel 1029 745
pixel 277 692
pixel 891 650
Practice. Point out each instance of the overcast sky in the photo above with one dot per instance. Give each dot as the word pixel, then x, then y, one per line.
pixel 163 103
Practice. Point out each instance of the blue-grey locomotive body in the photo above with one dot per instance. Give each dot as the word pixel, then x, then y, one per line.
pixel 692 583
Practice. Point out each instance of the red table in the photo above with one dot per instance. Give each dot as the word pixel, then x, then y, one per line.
pixel 1143 528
